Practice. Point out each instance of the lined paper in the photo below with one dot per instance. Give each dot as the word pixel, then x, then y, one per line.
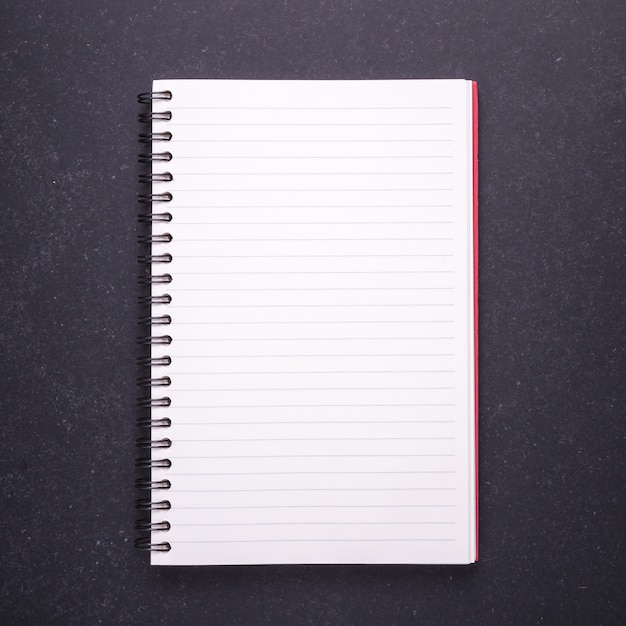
pixel 322 380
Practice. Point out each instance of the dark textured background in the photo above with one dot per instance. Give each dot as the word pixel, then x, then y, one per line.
pixel 552 295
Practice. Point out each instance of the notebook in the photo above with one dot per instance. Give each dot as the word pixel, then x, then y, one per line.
pixel 310 391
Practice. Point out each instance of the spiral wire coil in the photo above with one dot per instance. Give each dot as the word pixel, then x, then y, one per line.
pixel 145 422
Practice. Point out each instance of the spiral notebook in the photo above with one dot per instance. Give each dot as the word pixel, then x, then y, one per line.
pixel 313 271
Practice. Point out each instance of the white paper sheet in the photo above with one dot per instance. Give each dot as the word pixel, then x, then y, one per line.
pixel 322 377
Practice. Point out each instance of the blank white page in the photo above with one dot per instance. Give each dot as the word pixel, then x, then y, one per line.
pixel 322 356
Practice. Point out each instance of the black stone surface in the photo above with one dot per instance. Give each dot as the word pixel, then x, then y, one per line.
pixel 552 295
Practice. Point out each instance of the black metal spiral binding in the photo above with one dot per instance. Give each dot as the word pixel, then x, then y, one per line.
pixel 143 543
pixel 164 177
pixel 149 526
pixel 152 137
pixel 148 118
pixel 148 257
pixel 156 279
pixel 149 96
pixel 164 299
pixel 148 240
pixel 148 361
pixel 148 422
pixel 156 258
pixel 146 463
pixel 146 483
pixel 149 157
pixel 149 218
pixel 156 320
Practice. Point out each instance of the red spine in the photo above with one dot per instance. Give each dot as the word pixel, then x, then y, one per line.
pixel 475 215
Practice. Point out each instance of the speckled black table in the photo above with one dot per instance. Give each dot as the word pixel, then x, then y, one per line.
pixel 552 295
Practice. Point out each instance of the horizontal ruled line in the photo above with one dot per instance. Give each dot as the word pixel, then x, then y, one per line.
pixel 290 406
pixel 268 223
pixel 197 339
pixel 318 206
pixel 174 490
pixel 178 289
pixel 394 523
pixel 304 256
pixel 297 456
pixel 311 456
pixel 299 273
pixel 208 207
pixel 328 239
pixel 220 541
pixel 169 473
pixel 177 373
pixel 299 108
pixel 294 156
pixel 299 189
pixel 306 124
pixel 289 356
pixel 303 141
pixel 241 440
pixel 321 506
pixel 306 173
pixel 258 323
pixel 295 306
pixel 315 389
pixel 255 323
pixel 316 422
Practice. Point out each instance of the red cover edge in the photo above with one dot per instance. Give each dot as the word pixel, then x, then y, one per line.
pixel 475 216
